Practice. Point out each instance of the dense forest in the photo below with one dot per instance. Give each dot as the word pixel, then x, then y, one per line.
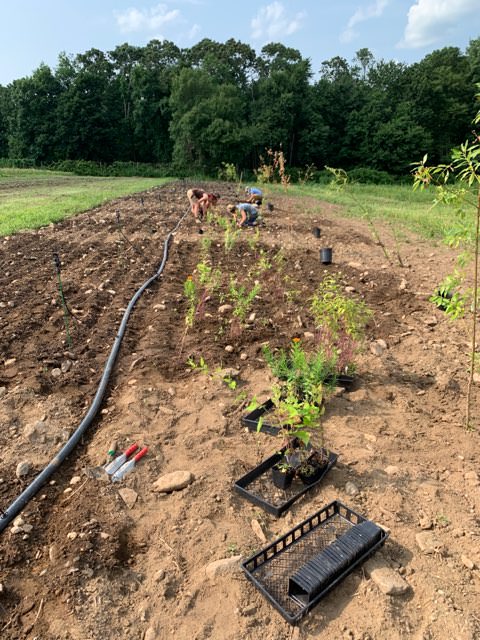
pixel 194 109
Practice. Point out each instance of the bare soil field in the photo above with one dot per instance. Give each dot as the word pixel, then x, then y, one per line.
pixel 90 561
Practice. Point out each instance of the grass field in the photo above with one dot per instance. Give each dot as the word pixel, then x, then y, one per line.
pixel 31 198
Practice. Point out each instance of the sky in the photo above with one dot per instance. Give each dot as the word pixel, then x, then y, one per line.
pixel 33 32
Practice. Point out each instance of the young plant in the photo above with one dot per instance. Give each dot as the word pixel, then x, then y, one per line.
pixel 458 183
pixel 191 293
pixel 307 375
pixel 341 181
pixel 242 298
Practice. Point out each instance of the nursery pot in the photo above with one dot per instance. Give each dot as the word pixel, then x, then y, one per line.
pixel 317 471
pixel 282 479
pixel 316 232
pixel 326 255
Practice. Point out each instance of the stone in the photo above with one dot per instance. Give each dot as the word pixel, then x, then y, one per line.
pixel 428 542
pixel 308 335
pixel 129 496
pixel 251 318
pixel 23 468
pixel 151 634
pixel 243 356
pixel 9 361
pixel 403 284
pixel 387 580
pixel 173 481
pixel 36 433
pixel 225 566
pixel 72 535
pixel 230 372
pixel 392 470
pixel 229 348
pixel 53 553
pixel 258 531
pixel 56 373
pixel 351 489
pixel 350 289
pixel 75 479
pixel 224 308
pixel 376 349
pixel 3 391
pixel 467 562
pixel 66 366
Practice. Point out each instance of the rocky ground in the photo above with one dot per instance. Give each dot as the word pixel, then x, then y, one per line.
pixel 88 559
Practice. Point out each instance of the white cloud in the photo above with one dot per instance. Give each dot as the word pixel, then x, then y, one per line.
pixel 194 31
pixel 362 14
pixel 146 19
pixel 430 20
pixel 272 22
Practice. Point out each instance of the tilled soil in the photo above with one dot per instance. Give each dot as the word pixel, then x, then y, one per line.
pixel 82 564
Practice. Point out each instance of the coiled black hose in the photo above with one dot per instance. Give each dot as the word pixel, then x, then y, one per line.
pixel 24 498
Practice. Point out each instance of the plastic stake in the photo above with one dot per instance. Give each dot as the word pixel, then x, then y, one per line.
pixel 128 466
pixel 117 463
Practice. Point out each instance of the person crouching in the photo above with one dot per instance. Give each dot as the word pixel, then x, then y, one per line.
pixel 245 214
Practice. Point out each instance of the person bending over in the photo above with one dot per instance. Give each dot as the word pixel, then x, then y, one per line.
pixel 254 195
pixel 200 201
pixel 245 214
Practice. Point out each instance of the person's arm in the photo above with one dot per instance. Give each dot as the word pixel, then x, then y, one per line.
pixel 243 218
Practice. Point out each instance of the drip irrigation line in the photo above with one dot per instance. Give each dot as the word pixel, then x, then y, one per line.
pixel 24 498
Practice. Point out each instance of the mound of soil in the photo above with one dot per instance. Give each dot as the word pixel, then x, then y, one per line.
pixel 89 559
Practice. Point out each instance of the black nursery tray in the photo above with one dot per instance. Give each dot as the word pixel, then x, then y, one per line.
pixel 251 420
pixel 302 566
pixel 257 486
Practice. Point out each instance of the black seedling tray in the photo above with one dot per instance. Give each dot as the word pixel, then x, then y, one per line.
pixel 302 566
pixel 251 420
pixel 257 486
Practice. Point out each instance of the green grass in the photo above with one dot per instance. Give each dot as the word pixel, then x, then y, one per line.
pixel 398 204
pixel 32 198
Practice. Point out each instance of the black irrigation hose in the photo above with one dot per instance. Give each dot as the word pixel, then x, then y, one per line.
pixel 24 498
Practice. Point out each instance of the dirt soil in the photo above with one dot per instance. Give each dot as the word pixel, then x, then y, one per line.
pixel 85 563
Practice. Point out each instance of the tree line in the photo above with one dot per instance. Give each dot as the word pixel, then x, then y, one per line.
pixel 194 109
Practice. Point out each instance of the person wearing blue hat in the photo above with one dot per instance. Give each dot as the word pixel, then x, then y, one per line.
pixel 254 195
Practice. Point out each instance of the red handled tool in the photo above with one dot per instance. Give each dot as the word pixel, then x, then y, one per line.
pixel 128 466
pixel 117 463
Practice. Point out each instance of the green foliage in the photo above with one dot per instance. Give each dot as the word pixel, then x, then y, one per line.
pixel 191 294
pixel 446 298
pixel 364 175
pixel 336 311
pixel 305 374
pixel 242 297
pixel 228 172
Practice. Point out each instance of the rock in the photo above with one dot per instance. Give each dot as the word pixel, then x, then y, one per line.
pixel 351 489
pixel 72 535
pixel 258 531
pixel 387 580
pixel 151 634
pixel 223 567
pixel 159 576
pixel 382 343
pixel 392 470
pixel 243 356
pixel 230 372
pixel 229 348
pixel 53 553
pixel 224 308
pixel 56 373
pixel 159 307
pixel 3 391
pixel 23 468
pixel 467 562
pixel 66 366
pixel 75 479
pixel 376 349
pixel 308 335
pixel 403 284
pixel 36 433
pixel 129 496
pixel 9 362
pixel 173 481
pixel 350 289
pixel 251 318
pixel 428 542
pixel 425 523
pixel 18 521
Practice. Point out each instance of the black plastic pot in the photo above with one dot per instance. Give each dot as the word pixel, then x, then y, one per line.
pixel 445 300
pixel 316 232
pixel 326 255
pixel 282 479
pixel 318 469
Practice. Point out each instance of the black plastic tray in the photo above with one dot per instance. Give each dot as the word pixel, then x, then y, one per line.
pixel 270 570
pixel 251 420
pixel 257 486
